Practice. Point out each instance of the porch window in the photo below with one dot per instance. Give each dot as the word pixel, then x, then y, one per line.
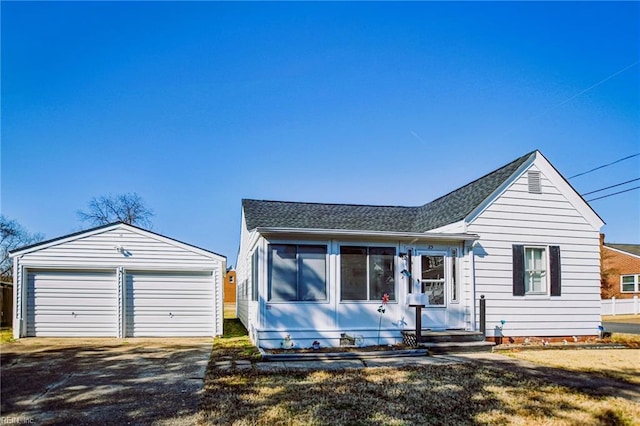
pixel 254 276
pixel 297 272
pixel 367 272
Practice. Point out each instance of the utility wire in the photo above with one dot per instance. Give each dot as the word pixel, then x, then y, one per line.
pixel 612 186
pixel 605 165
pixel 615 193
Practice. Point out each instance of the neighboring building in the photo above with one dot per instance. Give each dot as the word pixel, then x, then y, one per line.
pixel 6 301
pixel 117 281
pixel 521 236
pixel 620 270
pixel 230 286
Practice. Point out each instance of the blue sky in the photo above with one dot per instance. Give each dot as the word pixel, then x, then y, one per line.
pixel 197 105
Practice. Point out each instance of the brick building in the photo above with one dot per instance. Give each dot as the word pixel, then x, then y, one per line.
pixel 230 286
pixel 620 270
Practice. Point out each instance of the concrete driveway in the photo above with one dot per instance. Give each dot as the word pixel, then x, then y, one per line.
pixel 102 381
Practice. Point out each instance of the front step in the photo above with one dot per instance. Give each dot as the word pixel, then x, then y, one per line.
pixel 448 341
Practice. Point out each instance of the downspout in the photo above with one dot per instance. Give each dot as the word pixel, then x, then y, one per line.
pixel 409 266
pixel 19 304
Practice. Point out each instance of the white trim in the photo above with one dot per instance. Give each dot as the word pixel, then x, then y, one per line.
pixel 342 233
pixel 500 190
pixel 101 230
pixel 568 191
pixel 547 284
pixel 555 178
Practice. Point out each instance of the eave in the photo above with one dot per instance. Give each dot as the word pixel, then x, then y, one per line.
pixel 352 234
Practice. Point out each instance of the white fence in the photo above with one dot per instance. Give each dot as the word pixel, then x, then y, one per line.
pixel 615 306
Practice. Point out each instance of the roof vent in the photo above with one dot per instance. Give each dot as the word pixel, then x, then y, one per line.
pixel 535 187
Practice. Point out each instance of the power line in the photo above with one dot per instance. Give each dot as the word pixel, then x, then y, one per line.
pixel 615 193
pixel 605 165
pixel 612 186
pixel 570 98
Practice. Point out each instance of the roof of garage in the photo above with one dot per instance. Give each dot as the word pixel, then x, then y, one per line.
pixel 108 227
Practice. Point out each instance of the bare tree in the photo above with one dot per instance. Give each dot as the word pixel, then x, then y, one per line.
pixel 128 208
pixel 12 236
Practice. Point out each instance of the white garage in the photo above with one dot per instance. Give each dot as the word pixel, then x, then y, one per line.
pixel 117 281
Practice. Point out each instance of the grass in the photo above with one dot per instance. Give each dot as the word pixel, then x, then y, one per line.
pixel 621 364
pixel 632 319
pixel 234 343
pixel 6 336
pixel 461 394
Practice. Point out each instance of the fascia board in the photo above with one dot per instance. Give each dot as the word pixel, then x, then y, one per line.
pixel 569 191
pixel 113 227
pixel 64 239
pixel 347 233
pixel 500 190
pixel 176 243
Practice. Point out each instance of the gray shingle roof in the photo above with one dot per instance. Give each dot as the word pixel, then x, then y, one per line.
pixel 450 208
pixel 628 248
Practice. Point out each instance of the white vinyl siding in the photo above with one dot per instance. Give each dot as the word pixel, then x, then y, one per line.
pixel 549 218
pixel 169 304
pixel 97 250
pixel 72 303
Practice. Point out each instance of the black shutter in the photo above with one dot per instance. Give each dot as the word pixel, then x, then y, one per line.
pixel 518 270
pixel 554 269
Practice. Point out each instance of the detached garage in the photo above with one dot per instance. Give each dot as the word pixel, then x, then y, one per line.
pixel 117 281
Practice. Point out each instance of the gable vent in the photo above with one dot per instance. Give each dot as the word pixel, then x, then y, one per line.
pixel 535 187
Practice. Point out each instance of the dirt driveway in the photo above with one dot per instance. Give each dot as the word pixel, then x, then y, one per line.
pixel 102 381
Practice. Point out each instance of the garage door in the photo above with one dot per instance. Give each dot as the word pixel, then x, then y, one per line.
pixel 169 304
pixel 72 303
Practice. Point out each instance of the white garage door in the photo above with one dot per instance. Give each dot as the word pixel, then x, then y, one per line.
pixel 72 303
pixel 169 304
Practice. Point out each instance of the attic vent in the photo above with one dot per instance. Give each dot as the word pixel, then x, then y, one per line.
pixel 535 187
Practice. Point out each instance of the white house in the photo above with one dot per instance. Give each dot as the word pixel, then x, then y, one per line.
pixel 520 236
pixel 117 281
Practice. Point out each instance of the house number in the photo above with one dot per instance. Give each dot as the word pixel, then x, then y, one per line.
pixel 430 247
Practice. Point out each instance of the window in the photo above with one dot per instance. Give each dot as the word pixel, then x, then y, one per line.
pixel 367 272
pixel 297 272
pixel 536 270
pixel 630 283
pixel 254 276
pixel 454 276
pixel 432 278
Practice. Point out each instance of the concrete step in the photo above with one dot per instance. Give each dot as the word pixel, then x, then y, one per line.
pixel 457 347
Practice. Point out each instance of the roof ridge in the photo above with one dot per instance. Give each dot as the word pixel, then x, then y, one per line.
pixel 519 159
pixel 329 204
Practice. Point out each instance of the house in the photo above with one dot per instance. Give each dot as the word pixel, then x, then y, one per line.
pixel 230 286
pixel 117 280
pixel 520 236
pixel 620 270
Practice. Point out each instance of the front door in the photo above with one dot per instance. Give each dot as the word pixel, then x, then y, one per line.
pixel 437 278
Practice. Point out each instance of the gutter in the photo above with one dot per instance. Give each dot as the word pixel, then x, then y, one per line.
pixel 348 233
